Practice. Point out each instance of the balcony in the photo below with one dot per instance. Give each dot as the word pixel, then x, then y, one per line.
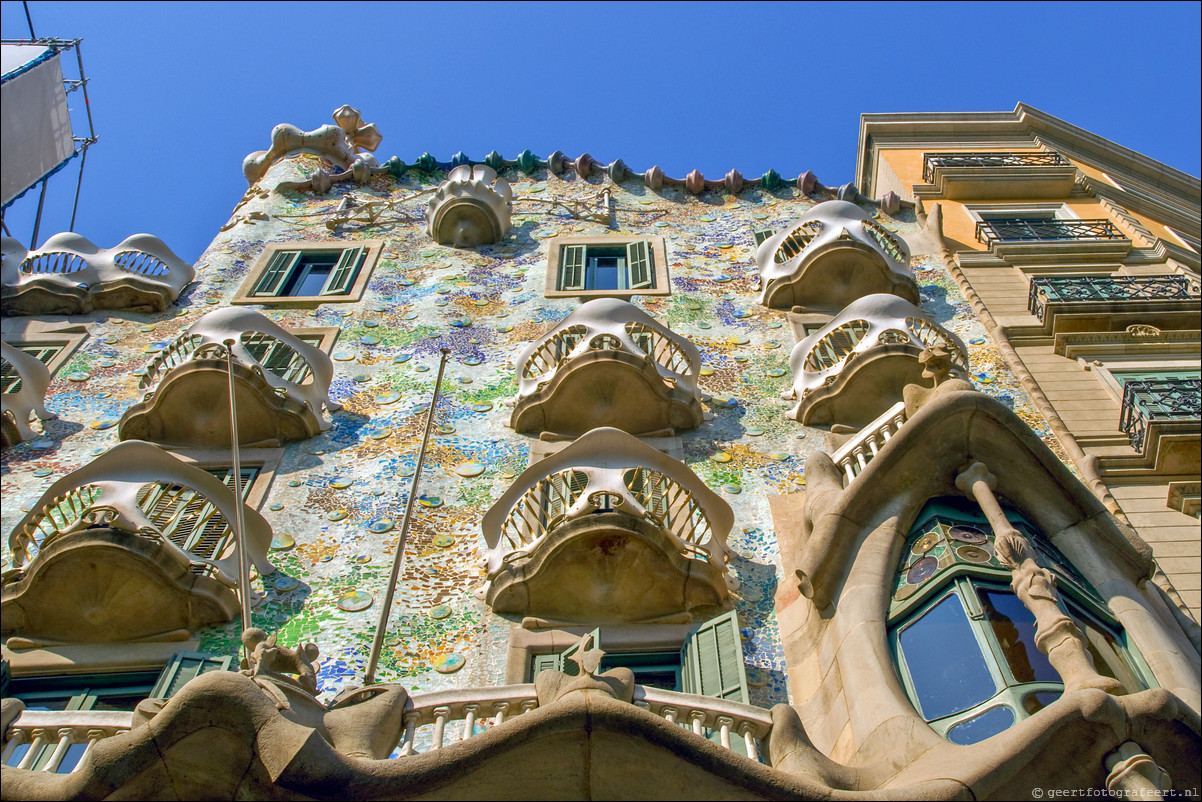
pixel 1032 229
pixel 831 256
pixel 1161 418
pixel 608 363
pixel 1005 175
pixel 22 393
pixel 281 385
pixel 608 530
pixel 854 369
pixel 1113 303
pixel 69 275
pixel 133 531
pixel 855 454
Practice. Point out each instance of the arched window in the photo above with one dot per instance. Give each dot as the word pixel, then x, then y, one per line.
pixel 965 644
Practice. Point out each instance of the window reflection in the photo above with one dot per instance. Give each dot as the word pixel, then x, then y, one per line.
pixel 946 666
pixel 1014 626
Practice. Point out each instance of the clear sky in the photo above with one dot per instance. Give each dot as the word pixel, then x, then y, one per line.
pixel 182 92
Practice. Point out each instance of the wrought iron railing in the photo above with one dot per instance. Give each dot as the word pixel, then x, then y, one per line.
pixel 1102 289
pixel 1036 229
pixel 1150 400
pixel 931 161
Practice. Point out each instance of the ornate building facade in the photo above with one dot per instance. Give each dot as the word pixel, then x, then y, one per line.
pixel 554 478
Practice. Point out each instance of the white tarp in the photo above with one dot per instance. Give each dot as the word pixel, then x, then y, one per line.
pixel 35 126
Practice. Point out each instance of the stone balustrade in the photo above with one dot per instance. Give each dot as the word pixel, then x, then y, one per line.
pixel 854 455
pixel 58 741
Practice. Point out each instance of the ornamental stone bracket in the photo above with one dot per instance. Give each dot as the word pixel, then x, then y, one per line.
pixel 831 256
pixel 608 530
pixel 69 275
pixel 25 396
pixel 133 531
pixel 281 385
pixel 608 363
pixel 853 369
pixel 470 208
pixel 344 144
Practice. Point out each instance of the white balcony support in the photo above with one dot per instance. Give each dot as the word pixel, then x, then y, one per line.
pixel 35 749
pixel 60 751
pixel 852 458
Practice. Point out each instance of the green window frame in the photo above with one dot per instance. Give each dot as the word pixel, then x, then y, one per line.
pixel 581 266
pixel 10 379
pixel 288 272
pixel 760 235
pixel 961 597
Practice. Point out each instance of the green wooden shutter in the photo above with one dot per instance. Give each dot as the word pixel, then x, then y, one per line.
pixel 544 662
pixel 712 660
pixel 342 277
pixel 639 266
pixel 571 267
pixel 184 666
pixel 10 379
pixel 277 271
pixel 567 666
pixel 761 235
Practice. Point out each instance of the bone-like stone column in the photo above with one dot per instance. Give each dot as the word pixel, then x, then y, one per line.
pixel 1133 773
pixel 1056 634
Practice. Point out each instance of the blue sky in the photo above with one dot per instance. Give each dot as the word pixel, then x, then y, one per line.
pixel 181 92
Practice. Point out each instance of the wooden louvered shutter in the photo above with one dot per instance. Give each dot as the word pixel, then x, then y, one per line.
pixel 571 270
pixel 342 277
pixel 279 267
pixel 639 267
pixel 567 666
pixel 711 660
pixel 761 235
pixel 185 666
pixel 544 662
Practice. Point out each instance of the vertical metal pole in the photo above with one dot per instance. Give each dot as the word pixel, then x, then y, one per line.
pixel 399 554
pixel 83 157
pixel 239 523
pixel 37 221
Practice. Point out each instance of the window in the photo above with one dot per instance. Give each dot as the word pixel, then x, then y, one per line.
pixel 580 266
pixel 965 644
pixel 289 272
pixel 10 379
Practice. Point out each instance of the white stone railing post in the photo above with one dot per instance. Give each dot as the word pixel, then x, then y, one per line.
pixel 440 725
pixel 93 737
pixel 60 750
pixel 35 749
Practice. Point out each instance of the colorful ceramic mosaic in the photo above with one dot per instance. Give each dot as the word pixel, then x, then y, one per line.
pixel 337 500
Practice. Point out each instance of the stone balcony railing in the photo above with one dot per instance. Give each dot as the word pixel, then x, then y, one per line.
pixel 855 454
pixel 608 363
pixel 607 486
pixel 436 720
pixel 854 368
pixel 57 741
pixel 69 275
pixel 283 384
pixel 831 256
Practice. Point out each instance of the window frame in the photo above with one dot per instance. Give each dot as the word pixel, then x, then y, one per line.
pixel 563 247
pixel 275 251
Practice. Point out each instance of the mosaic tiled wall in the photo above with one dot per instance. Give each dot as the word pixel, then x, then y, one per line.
pixel 337 500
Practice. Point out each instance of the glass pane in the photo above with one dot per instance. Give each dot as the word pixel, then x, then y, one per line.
pixel 1034 702
pixel 946 666
pixel 71 758
pixel 1014 627
pixel 1107 655
pixel 18 754
pixel 982 726
pixel 311 281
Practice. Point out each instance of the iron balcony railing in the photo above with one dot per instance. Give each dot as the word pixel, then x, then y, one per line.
pixel 1036 229
pixel 1102 289
pixel 1148 401
pixel 931 161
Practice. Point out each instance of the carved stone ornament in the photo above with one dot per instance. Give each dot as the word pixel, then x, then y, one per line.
pixel 120 537
pixel 25 397
pixel 831 256
pixel 608 363
pixel 550 686
pixel 1143 332
pixel 342 144
pixel 281 385
pixel 607 530
pixel 470 208
pixel 69 275
pixel 857 366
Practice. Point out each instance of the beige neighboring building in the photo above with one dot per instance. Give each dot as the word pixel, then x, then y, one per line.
pixel 555 479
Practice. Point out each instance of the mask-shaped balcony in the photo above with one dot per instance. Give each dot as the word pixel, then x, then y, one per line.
pixel 854 369
pixel 281 383
pixel 134 546
pixel 23 383
pixel 830 257
pixel 608 530
pixel 608 363
pixel 470 208
pixel 69 275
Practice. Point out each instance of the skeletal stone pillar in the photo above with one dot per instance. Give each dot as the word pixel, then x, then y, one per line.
pixel 1056 634
pixel 1134 774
